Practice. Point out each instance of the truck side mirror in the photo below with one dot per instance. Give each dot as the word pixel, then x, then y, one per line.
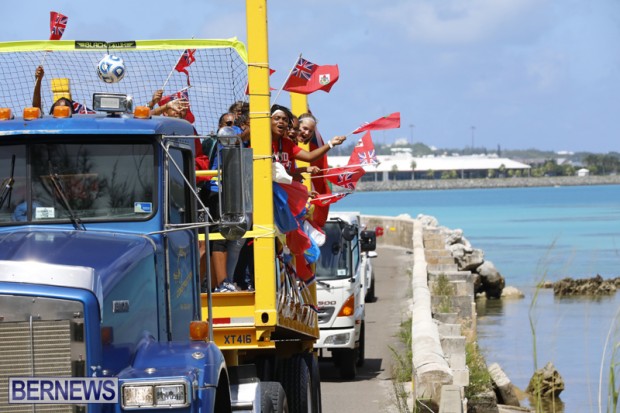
pixel 368 241
pixel 348 232
pixel 235 188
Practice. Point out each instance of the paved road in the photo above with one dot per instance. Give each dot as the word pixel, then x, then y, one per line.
pixel 372 390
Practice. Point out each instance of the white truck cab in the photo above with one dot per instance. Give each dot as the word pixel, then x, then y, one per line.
pixel 344 278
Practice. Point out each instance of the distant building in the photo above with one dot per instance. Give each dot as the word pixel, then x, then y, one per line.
pixel 583 172
pixel 401 165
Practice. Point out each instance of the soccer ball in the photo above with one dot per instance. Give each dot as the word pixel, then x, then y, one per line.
pixel 111 69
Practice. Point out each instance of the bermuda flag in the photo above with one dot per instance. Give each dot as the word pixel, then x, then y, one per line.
pixel 364 152
pixel 320 183
pixel 387 122
pixel 80 109
pixel 345 177
pixel 308 77
pixel 186 59
pixel 328 199
pixel 58 24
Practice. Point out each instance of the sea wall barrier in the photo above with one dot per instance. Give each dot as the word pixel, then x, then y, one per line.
pixel 427 184
pixel 439 328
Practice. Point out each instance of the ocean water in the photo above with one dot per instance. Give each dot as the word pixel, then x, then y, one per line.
pixel 531 234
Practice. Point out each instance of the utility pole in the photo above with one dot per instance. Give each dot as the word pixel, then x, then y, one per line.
pixel 411 126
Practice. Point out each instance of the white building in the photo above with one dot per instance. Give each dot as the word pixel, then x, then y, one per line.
pixel 404 166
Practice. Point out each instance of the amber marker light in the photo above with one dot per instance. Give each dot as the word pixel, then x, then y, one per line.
pixel 142 112
pixel 32 113
pixel 5 114
pixel 62 112
pixel 348 308
pixel 198 330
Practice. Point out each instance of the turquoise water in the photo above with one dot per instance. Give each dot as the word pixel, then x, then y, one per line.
pixel 531 234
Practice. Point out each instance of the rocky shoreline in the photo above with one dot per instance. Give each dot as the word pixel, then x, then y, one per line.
pixel 592 287
pixel 433 184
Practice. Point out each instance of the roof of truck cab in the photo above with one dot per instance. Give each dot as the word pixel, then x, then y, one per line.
pixel 348 217
pixel 97 124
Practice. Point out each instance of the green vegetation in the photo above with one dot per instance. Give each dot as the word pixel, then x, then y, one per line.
pixel 402 366
pixel 442 287
pixel 479 377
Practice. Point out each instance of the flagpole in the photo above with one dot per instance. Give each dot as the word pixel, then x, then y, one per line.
pixel 286 80
pixel 173 68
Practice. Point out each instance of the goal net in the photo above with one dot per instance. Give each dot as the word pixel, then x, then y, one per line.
pixel 218 76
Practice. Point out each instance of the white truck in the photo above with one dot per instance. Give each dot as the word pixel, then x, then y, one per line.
pixel 344 280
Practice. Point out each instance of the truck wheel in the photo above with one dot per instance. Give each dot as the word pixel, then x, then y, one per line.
pixel 315 379
pixel 370 293
pixel 361 350
pixel 348 362
pixel 296 380
pixel 274 393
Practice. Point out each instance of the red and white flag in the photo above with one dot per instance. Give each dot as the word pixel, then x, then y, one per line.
pixel 186 59
pixel 58 24
pixel 345 177
pixel 308 77
pixel 386 122
pixel 364 152
pixel 328 199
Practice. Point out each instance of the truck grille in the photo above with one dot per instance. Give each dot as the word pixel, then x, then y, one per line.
pixel 325 314
pixel 41 346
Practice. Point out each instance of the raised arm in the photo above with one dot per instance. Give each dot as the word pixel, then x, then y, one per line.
pixel 36 95
pixel 319 152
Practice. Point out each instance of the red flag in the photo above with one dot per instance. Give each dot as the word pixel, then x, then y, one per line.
pixel 346 177
pixel 58 24
pixel 186 59
pixel 308 77
pixel 328 199
pixel 364 152
pixel 319 183
pixel 387 122
pixel 297 198
pixel 247 87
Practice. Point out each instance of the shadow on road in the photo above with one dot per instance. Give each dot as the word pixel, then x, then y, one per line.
pixel 370 370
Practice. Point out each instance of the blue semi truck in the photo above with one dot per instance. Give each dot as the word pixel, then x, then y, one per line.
pixel 99 262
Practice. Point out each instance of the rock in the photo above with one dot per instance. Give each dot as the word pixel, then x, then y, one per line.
pixel 427 220
pixel 586 286
pixel 512 292
pixel 492 281
pixel 546 382
pixel 485 402
pixel 503 386
pixel 470 261
pixel 454 237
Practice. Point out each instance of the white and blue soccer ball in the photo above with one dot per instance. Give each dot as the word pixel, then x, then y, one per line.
pixel 111 69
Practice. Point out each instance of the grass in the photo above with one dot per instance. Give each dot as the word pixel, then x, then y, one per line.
pixel 614 369
pixel 479 377
pixel 442 287
pixel 402 366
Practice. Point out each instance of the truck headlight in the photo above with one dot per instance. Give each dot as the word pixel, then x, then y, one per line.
pixel 154 395
pixel 338 339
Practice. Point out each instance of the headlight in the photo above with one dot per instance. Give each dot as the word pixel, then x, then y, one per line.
pixel 338 339
pixel 154 395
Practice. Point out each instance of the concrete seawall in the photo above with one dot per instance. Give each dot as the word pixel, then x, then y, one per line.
pixel 426 184
pixel 440 324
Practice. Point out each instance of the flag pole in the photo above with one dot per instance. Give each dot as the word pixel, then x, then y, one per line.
pixel 172 71
pixel 286 80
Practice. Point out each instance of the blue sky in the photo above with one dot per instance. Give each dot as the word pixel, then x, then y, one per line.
pixel 524 73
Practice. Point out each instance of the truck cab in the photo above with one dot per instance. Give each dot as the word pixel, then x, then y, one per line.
pixel 99 261
pixel 342 274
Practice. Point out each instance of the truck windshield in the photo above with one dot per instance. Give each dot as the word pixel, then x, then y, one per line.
pixel 98 181
pixel 335 259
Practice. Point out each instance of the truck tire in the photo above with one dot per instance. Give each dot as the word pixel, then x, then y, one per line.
pixel 295 377
pixel 347 362
pixel 315 379
pixel 274 393
pixel 370 293
pixel 361 349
